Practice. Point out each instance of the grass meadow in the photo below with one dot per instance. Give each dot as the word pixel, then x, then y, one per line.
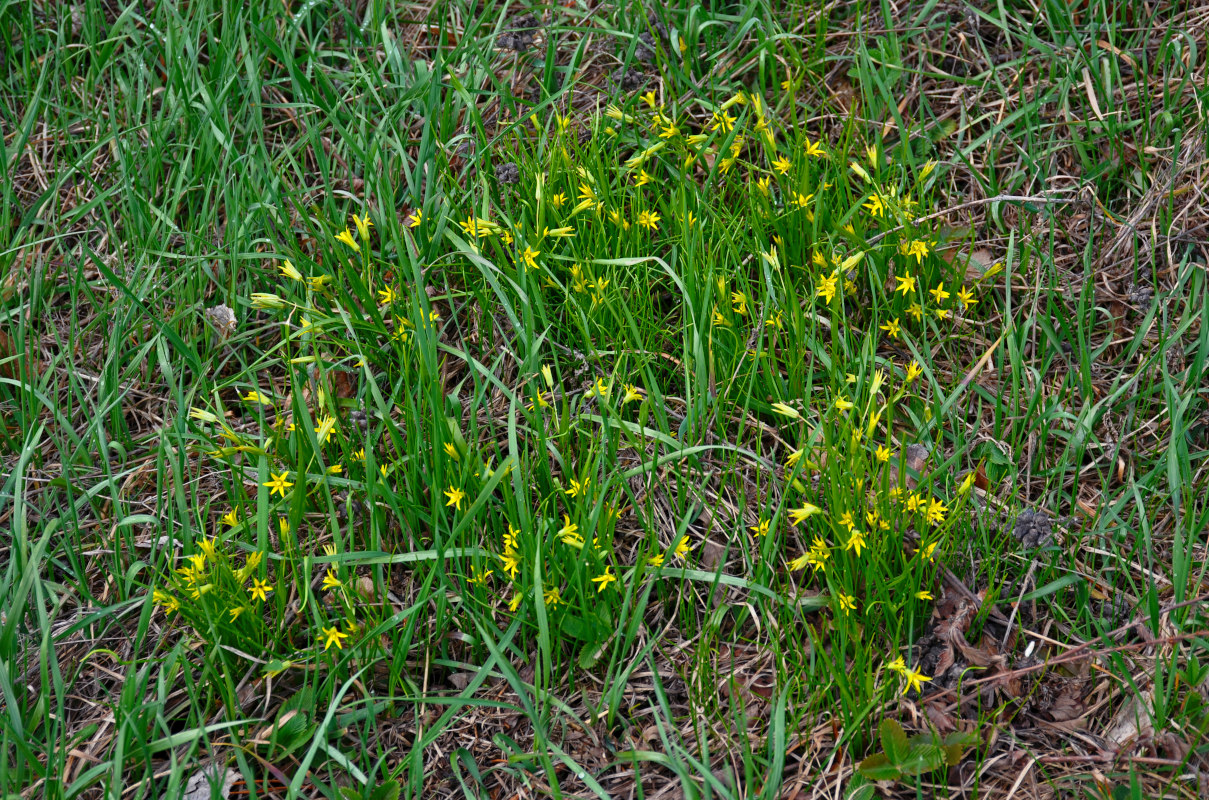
pixel 726 400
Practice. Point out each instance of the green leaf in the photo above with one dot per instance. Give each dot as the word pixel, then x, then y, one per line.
pixel 894 740
pixel 1052 587
pixel 859 789
pixel 922 758
pixel 955 745
pixel 388 790
pixel 878 768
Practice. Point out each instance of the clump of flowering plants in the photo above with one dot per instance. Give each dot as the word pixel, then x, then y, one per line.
pixel 869 531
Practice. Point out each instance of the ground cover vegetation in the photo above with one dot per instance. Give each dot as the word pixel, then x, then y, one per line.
pixel 603 400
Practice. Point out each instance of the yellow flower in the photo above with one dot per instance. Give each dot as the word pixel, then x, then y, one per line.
pixel 760 529
pixel 235 612
pixel 847 602
pixel 346 236
pixel 642 178
pixel 455 496
pixel 923 594
pixel 601 388
pixel 479 577
pixel 915 502
pixel 782 165
pixel 363 225
pixel 289 271
pixel 649 220
pixel 927 552
pixel 230 518
pixel 883 453
pixel 569 530
pixel 719 320
pixel 827 287
pixel 966 298
pixel 906 283
pixel 966 484
pixel 335 469
pixel 936 512
pixel 209 547
pixel 529 257
pixel 856 541
pixel 278 484
pixel 669 131
pixel 682 548
pixel 797 515
pixel 165 600
pixel 510 564
pixel 787 411
pixel 471 227
pixel 803 200
pixel 323 433
pixel 318 283
pixel 259 589
pixel 915 311
pixel 452 451
pixel 842 403
pixel 604 580
pixel 875 206
pixel 915 680
pixel 515 602
pixel 552 596
pixel 254 396
pixel 941 313
pixel 330 581
pixel 723 122
pixel 333 636
pixel 252 562
pixel 632 393
pixel 891 328
pixel 260 300
pixel 814 149
pixel 655 560
pixel 387 295
pixel 793 458
pixel 577 488
pixel 739 302
pixel 416 219
pixel 201 415
pixel 939 293
pixel 914 370
pixel 897 665
pixel 917 248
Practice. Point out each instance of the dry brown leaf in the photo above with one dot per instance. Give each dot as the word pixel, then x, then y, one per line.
pixel 941 720
pixel 201 783
pixel 1067 705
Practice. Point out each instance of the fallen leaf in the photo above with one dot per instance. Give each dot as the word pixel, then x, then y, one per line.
pixel 201 784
